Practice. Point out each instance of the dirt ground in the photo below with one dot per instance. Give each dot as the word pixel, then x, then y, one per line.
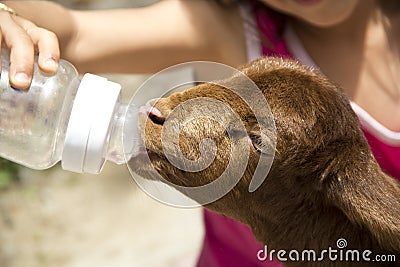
pixel 57 218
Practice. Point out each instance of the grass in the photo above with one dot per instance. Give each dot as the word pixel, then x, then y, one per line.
pixel 8 173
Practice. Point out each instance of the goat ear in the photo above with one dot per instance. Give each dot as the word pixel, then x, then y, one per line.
pixel 370 198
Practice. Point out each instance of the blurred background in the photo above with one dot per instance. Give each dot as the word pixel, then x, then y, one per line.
pixel 58 218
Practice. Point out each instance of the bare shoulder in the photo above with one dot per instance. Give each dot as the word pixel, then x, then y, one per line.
pixel 148 39
pixel 217 27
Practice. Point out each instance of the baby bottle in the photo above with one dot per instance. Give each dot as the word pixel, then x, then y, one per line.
pixel 80 122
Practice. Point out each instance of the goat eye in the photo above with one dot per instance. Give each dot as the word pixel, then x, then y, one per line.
pixel 235 134
pixel 262 146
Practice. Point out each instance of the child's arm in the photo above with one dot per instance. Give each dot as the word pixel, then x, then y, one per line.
pixel 140 40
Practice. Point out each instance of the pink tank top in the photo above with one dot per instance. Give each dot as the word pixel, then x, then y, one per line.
pixel 229 243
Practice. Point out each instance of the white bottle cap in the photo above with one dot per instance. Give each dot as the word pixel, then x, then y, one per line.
pixel 88 128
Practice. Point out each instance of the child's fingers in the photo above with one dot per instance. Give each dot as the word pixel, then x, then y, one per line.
pixel 22 51
pixel 46 43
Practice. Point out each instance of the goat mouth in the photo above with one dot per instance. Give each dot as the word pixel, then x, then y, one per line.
pixel 146 163
pixel 152 113
pixel 145 152
pixel 154 155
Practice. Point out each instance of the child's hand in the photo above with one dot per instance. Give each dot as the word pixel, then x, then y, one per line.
pixel 22 38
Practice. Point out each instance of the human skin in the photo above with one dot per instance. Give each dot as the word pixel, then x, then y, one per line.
pixel 320 13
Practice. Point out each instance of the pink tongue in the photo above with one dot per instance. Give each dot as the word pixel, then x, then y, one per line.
pixel 155 112
pixel 151 110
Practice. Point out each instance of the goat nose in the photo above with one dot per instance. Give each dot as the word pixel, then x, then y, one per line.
pixel 154 113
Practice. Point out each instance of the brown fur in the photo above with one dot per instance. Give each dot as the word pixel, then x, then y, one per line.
pixel 324 183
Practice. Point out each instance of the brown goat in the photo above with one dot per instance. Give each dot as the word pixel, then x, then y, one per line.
pixel 324 183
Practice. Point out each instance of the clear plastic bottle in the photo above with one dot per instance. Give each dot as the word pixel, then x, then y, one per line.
pixel 80 122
